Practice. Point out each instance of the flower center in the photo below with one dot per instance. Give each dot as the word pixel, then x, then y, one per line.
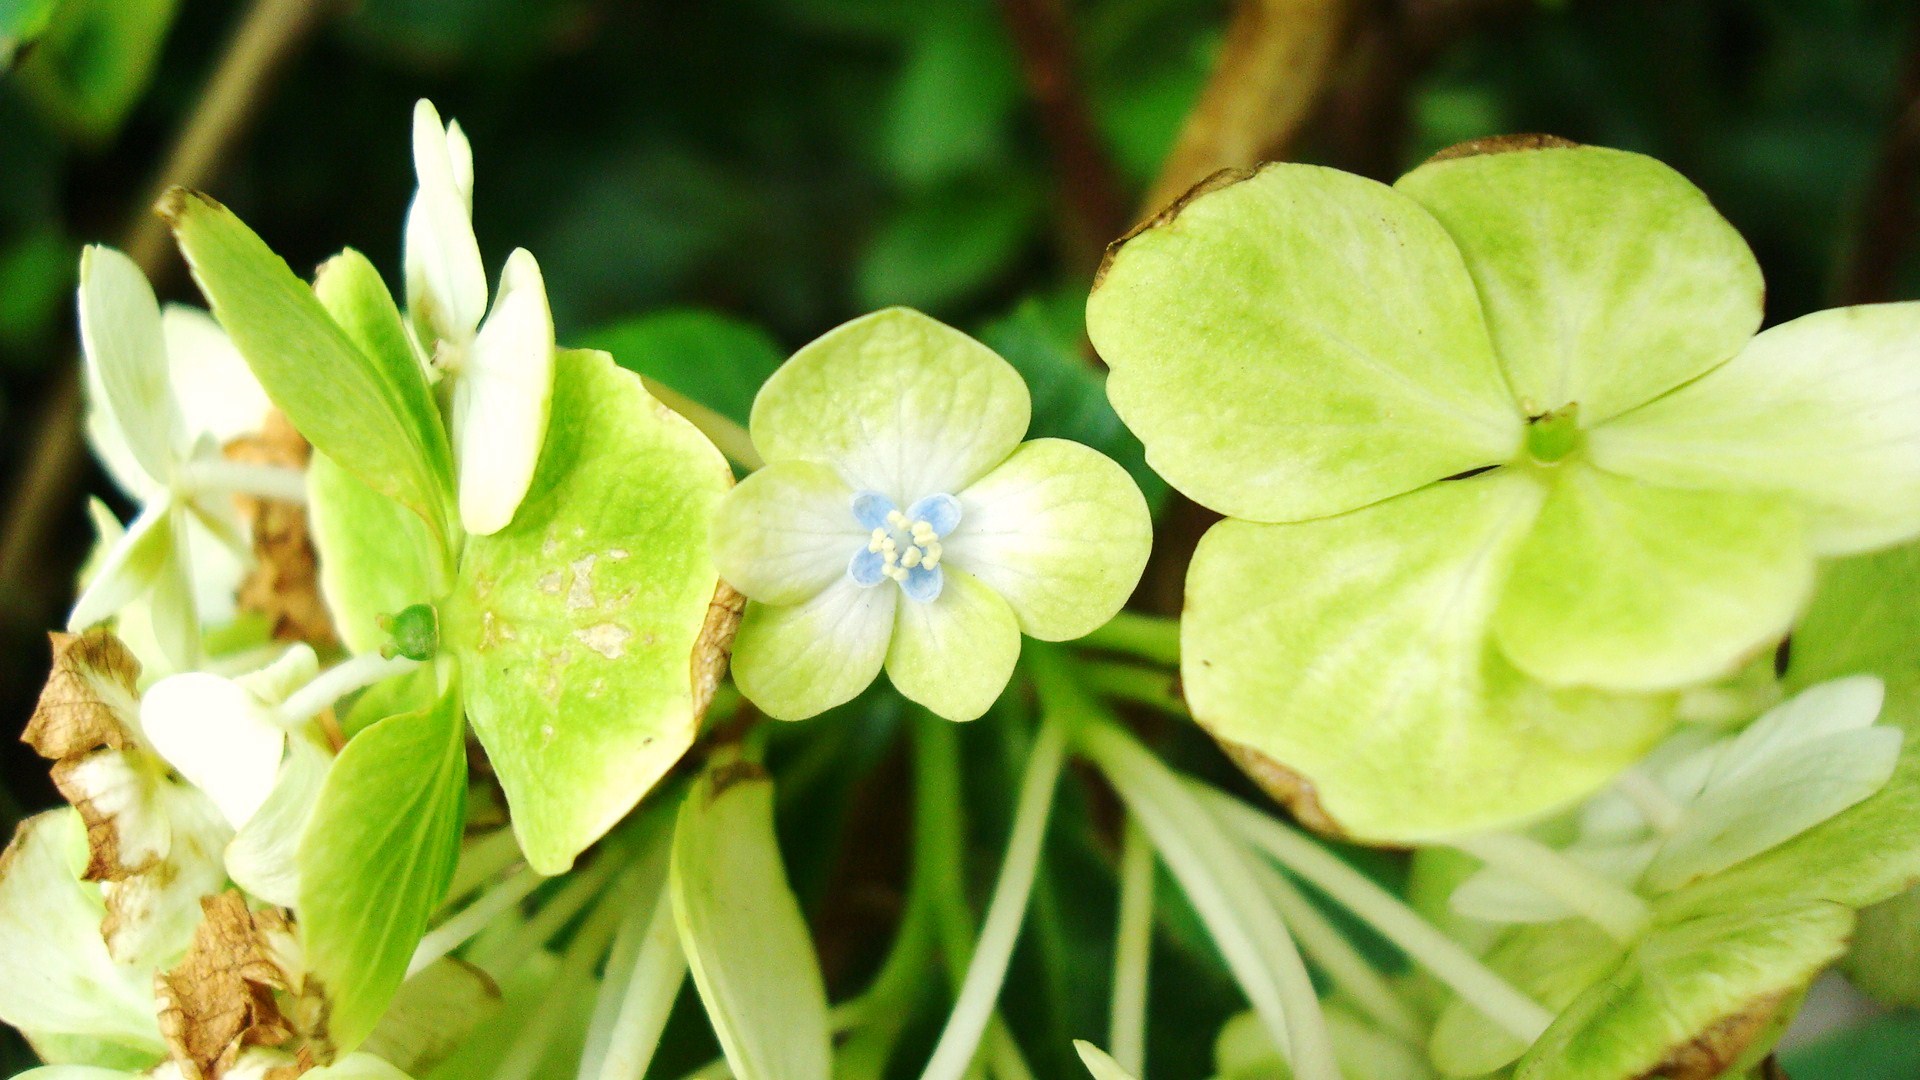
pixel 903 545
pixel 1552 436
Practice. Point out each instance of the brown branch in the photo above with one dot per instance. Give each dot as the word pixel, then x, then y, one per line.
pixel 1090 189
pixel 1275 64
pixel 1888 218
pixel 271 33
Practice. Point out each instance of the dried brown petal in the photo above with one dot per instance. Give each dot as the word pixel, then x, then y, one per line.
pixel 715 644
pixel 1713 1051
pixel 1502 144
pixel 89 700
pixel 1284 786
pixel 220 999
pixel 284 584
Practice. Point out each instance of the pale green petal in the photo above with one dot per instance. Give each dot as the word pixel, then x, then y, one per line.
pixel 217 735
pixel 796 661
pixel 955 653
pixel 501 398
pixel 376 556
pixel 1632 586
pixel 217 392
pixel 1607 278
pixel 262 857
pixel 55 974
pixel 1824 409
pixel 900 403
pixel 1711 984
pixel 131 567
pixel 1060 532
pixel 121 337
pixel 1300 343
pixel 1353 653
pixel 786 532
pixel 1550 964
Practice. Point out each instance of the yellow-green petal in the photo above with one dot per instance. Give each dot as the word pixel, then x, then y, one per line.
pixel 800 660
pixel 1300 343
pixel 899 402
pixel 1824 410
pixel 1607 278
pixel 1633 586
pixel 1060 532
pixel 1353 653
pixel 955 653
pixel 786 532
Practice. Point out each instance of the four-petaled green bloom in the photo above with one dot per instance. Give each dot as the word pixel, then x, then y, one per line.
pixel 1504 462
pixel 901 522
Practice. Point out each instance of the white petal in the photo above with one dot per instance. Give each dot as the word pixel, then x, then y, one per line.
pixel 460 154
pixel 1491 896
pixel 121 336
pixel 171 606
pixel 262 858
pixel 131 567
pixel 215 388
pixel 501 399
pixel 443 258
pixel 794 662
pixel 786 532
pixel 1786 729
pixel 151 915
pixel 219 736
pixel 277 681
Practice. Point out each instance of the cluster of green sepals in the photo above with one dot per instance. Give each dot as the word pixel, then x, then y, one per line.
pixel 1512 493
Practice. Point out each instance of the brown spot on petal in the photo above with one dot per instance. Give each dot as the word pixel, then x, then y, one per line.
pixel 715 644
pixel 1284 786
pixel 1502 144
pixel 1166 215
pixel 1713 1051
pixel 284 584
pixel 220 999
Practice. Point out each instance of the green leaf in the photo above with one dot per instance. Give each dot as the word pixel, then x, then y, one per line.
pixel 1637 586
pixel 1884 1048
pixel 712 358
pixel 1885 959
pixel 1044 339
pixel 585 630
pixel 369 411
pixel 1607 278
pixel 945 245
pixel 956 94
pixel 1353 654
pixel 741 929
pixel 377 857
pixel 376 557
pixel 22 21
pixel 92 59
pixel 1300 342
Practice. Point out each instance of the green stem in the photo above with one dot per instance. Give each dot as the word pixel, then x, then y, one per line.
pixel 1217 875
pixel 1132 952
pixel 1136 685
pixel 1337 957
pixel 482 860
pixel 1612 908
pixel 473 918
pixel 1147 637
pixel 644 974
pixel 987 971
pixel 1477 984
pixel 501 958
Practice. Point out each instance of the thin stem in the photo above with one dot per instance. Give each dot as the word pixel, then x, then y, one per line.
pixel 1477 984
pixel 988 968
pixel 1217 875
pixel 1132 952
pixel 473 918
pixel 577 965
pixel 500 958
pixel 1146 637
pixel 337 682
pixel 482 860
pixel 1661 810
pixel 1326 946
pixel 632 1013
pixel 217 476
pixel 1133 684
pixel 1615 909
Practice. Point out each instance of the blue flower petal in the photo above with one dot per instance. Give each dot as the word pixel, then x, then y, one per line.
pixel 865 568
pixel 871 508
pixel 923 584
pixel 940 511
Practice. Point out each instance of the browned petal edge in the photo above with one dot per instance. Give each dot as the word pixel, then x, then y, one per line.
pixel 1221 179
pixel 73 716
pixel 284 584
pixel 74 720
pixel 715 644
pixel 1714 1050
pixel 1501 144
pixel 220 1000
pixel 1284 786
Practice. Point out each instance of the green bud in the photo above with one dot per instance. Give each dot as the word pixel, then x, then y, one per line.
pixel 415 632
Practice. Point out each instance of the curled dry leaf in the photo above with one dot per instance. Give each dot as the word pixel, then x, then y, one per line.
pixel 1715 1050
pixel 715 644
pixel 241 985
pixel 284 584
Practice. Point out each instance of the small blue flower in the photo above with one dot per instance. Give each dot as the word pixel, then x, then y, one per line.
pixel 903 546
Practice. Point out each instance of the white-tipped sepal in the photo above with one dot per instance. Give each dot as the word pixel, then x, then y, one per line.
pixel 501 398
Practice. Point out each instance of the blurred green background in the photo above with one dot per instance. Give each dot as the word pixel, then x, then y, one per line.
pixel 707 185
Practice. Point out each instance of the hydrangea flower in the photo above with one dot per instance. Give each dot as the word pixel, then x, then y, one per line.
pixel 901 522
pixel 164 455
pixel 496 368
pixel 1504 460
